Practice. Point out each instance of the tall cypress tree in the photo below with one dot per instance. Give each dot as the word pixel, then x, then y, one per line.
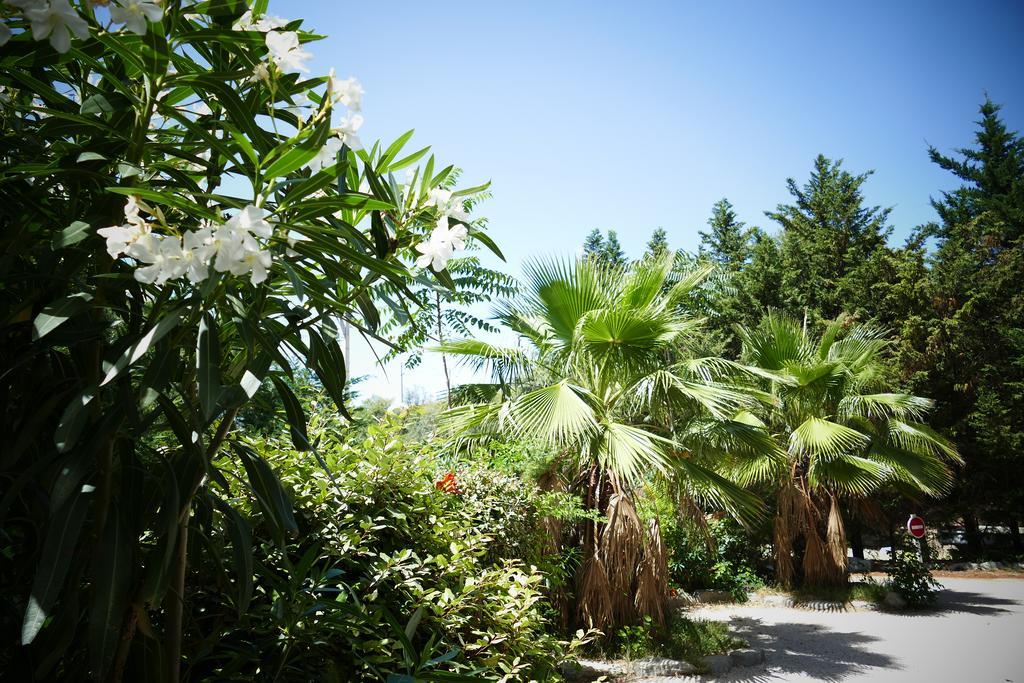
pixel 969 352
pixel 728 242
pixel 593 245
pixel 828 241
pixel 657 246
pixel 612 253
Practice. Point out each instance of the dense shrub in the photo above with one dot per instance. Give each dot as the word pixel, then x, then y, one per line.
pixel 720 557
pixel 390 573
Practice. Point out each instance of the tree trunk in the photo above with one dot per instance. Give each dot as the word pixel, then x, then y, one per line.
pixel 174 603
pixel 444 356
pixel 1015 535
pixel 973 533
pixel 857 537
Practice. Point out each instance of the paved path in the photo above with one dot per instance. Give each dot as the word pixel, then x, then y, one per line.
pixel 975 636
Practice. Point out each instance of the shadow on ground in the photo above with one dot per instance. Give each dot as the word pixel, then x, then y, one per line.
pixel 971 603
pixel 810 649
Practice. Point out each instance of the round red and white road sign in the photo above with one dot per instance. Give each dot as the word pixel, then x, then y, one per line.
pixel 915 525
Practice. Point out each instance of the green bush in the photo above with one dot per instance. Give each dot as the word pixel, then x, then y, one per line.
pixel 389 574
pixel 686 639
pixel 910 576
pixel 722 558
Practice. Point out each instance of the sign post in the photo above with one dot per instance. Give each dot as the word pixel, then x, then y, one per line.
pixel 916 528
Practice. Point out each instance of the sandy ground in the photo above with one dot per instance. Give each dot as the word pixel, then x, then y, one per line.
pixel 975 635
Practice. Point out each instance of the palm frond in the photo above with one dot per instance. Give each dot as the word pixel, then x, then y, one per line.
pixel 631 453
pixel 874 406
pixel 849 475
pixel 920 438
pixel 824 440
pixel 561 413
pixel 923 470
pixel 712 489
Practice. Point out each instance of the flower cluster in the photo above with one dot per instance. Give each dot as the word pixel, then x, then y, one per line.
pixel 232 247
pixel 57 20
pixel 448 483
pixel 445 239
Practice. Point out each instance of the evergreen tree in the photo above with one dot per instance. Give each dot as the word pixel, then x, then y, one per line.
pixel 612 253
pixel 657 246
pixel 593 246
pixel 728 241
pixel 828 240
pixel 969 350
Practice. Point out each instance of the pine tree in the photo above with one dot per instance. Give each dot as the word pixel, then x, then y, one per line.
pixel 828 240
pixel 969 352
pixel 593 246
pixel 657 246
pixel 728 242
pixel 612 253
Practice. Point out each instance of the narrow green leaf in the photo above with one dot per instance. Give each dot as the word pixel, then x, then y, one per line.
pixel 294 412
pixel 54 561
pixel 137 350
pixel 111 570
pixel 208 365
pixel 54 315
pixel 266 487
pixel 73 234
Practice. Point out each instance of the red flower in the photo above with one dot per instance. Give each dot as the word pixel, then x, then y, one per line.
pixel 448 483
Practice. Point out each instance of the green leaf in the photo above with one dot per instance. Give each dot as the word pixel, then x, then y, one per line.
pixel 137 350
pixel 295 153
pixel 241 541
pixel 486 240
pixel 208 365
pixel 266 487
pixel 56 557
pixel 56 314
pixel 96 104
pixel 89 156
pixel 293 410
pixel 111 573
pixel 73 234
pixel 73 419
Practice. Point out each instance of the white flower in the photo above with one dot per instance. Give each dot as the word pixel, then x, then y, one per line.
pixel 164 256
pixel 197 252
pixel 121 237
pixel 5 33
pixel 349 92
pixel 254 262
pixel 446 206
pixel 346 130
pixel 260 73
pixel 327 157
pixel 58 20
pixel 442 245
pixel 435 251
pixel 286 52
pixel 135 14
pixel 252 219
pixel 456 235
pixel 264 24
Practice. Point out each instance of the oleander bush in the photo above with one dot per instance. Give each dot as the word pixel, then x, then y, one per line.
pixel 187 215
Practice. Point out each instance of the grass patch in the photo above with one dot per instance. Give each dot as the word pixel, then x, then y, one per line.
pixel 869 590
pixel 681 638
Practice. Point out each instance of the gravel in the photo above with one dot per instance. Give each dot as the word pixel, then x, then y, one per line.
pixel 975 634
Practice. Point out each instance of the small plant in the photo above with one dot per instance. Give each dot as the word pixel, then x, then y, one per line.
pixel 684 639
pixel 911 577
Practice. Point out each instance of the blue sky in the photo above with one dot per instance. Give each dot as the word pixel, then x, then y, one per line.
pixel 631 116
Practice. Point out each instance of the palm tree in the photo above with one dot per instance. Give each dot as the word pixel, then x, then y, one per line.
pixel 842 435
pixel 603 376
